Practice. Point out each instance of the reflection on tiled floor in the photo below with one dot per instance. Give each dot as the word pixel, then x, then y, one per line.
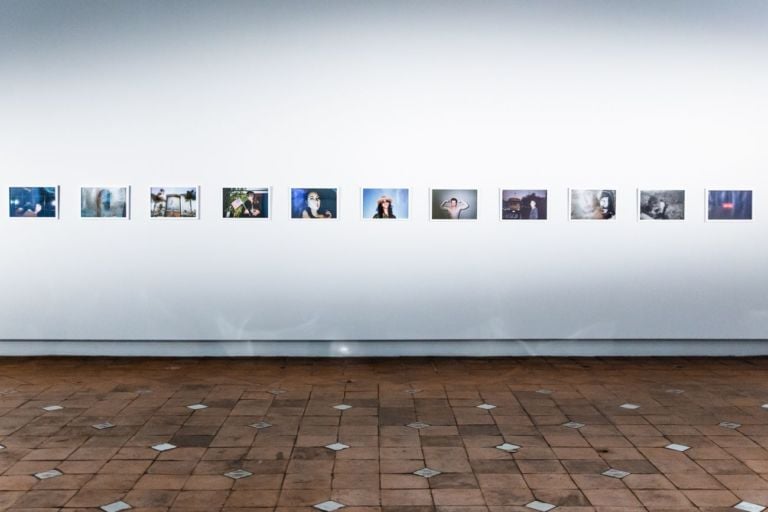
pixel 396 435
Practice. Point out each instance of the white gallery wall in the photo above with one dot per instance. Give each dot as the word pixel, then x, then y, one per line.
pixel 486 95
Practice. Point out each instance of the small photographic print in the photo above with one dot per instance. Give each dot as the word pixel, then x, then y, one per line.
pixel 104 202
pixel 593 204
pixel 729 205
pixel 174 202
pixel 385 203
pixel 523 204
pixel 246 203
pixel 33 201
pixel 454 204
pixel 662 204
pixel 314 203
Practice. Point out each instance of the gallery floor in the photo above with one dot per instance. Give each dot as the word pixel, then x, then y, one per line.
pixel 274 434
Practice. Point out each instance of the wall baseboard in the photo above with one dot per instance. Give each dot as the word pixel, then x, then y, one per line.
pixel 451 348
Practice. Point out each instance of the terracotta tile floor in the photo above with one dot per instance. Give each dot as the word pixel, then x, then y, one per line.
pixel 681 401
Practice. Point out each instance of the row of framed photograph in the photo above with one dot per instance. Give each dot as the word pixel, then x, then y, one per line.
pixel 377 203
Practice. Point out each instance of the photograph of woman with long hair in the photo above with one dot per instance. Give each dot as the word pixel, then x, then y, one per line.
pixel 314 203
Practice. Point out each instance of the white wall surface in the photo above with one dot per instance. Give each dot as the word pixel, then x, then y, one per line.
pixel 345 94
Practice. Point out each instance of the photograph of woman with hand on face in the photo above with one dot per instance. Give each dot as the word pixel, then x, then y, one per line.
pixel 314 203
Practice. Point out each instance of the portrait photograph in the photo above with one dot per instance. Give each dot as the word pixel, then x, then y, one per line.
pixel 385 203
pixel 661 204
pixel 30 202
pixel 104 202
pixel 523 204
pixel 454 203
pixel 591 204
pixel 729 205
pixel 174 202
pixel 246 203
pixel 314 203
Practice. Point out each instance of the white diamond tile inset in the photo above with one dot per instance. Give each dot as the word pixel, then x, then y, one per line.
pixel 164 447
pixel 675 391
pixel 329 506
pixel 337 447
pixel 197 407
pixel 238 474
pixel 103 426
pixel 749 507
pixel 412 391
pixel 277 391
pixel 45 475
pixel 508 447
pixel 631 407
pixel 573 424
pixel 616 473
pixel 117 506
pixel 677 447
pixel 260 425
pixel 52 408
pixel 487 407
pixel 764 406
pixel 2 447
pixel 730 425
pixel 544 391
pixel 540 506
pixel 426 472
pixel 342 407
pixel 418 425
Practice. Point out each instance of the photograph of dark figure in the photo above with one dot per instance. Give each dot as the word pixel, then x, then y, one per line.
pixel 523 204
pixel 729 205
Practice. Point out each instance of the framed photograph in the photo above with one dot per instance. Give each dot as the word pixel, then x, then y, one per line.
pixel 314 203
pixel 729 204
pixel 519 204
pixel 385 203
pixel 453 203
pixel 174 202
pixel 105 202
pixel 37 202
pixel 592 204
pixel 661 204
pixel 246 203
